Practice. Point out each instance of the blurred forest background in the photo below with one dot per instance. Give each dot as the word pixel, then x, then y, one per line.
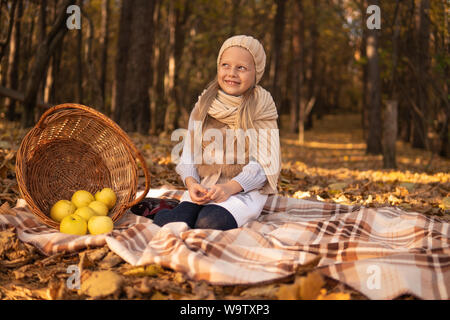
pixel 364 113
pixel 145 62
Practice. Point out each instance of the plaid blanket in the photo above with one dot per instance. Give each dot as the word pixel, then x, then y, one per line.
pixel 380 252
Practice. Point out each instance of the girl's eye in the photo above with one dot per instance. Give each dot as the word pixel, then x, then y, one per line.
pixel 225 65
pixel 242 68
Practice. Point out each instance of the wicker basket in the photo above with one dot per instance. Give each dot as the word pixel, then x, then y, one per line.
pixel 75 147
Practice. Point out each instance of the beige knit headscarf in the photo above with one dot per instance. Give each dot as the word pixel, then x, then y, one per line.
pixel 253 46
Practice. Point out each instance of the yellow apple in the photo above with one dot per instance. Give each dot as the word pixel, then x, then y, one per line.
pixel 73 224
pixel 107 196
pixel 82 198
pixel 85 212
pixel 99 208
pixel 100 224
pixel 61 209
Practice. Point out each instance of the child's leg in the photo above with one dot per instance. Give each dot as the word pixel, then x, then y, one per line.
pixel 185 212
pixel 215 217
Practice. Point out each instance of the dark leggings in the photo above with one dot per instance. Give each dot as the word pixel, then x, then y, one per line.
pixel 196 216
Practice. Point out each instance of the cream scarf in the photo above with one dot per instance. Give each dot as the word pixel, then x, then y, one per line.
pixel 266 143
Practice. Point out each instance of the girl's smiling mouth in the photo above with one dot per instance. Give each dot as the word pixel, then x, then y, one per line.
pixel 232 83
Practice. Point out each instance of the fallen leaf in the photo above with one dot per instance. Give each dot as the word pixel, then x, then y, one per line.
pixel 304 288
pixel 159 296
pixel 332 296
pixel 152 271
pixel 446 203
pixel 408 186
pixel 262 291
pixel 101 284
pixel 310 286
pixel 336 187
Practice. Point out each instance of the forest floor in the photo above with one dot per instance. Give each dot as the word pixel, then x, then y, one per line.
pixel 330 166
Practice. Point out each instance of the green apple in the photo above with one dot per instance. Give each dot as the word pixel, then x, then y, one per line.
pixel 107 196
pixel 73 224
pixel 85 212
pixel 62 209
pixel 100 224
pixel 82 198
pixel 99 208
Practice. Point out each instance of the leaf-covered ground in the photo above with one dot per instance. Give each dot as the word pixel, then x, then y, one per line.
pixel 330 166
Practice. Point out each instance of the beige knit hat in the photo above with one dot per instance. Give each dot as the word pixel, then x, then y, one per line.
pixel 253 46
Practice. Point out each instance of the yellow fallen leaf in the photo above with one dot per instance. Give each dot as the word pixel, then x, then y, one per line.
pixel 333 296
pixel 159 296
pixel 446 203
pixel 152 270
pixel 304 288
pixel 336 187
pixel 287 292
pixel 309 286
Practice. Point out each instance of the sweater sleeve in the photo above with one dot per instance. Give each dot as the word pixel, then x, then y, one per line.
pixel 185 168
pixel 251 177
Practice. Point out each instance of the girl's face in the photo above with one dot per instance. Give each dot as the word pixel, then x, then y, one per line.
pixel 236 72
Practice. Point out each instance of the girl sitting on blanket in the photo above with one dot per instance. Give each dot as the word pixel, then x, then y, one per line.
pixel 228 183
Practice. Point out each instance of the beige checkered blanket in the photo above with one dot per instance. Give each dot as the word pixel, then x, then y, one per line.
pixel 382 253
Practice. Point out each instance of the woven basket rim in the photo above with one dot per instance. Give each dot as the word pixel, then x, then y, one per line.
pixel 131 149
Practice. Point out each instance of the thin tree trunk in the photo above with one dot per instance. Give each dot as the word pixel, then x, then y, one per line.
pixel 364 107
pixel 172 108
pixel 120 76
pixel 374 145
pixel 14 62
pixel 135 108
pixel 43 55
pixel 390 135
pixel 96 97
pixel 390 115
pixel 420 132
pixel 104 42
pixel 4 42
pixel 298 66
pixel 277 52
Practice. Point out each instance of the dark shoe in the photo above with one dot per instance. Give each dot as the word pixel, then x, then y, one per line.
pixel 150 206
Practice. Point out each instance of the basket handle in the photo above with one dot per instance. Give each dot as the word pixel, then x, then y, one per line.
pixel 53 109
pixel 146 174
pixel 122 133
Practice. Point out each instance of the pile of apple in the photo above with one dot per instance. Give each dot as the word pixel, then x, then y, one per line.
pixel 84 212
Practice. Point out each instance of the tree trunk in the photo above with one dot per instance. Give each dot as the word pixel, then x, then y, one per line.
pixel 275 66
pixel 134 110
pixel 390 134
pixel 14 62
pixel 123 40
pixel 43 55
pixel 298 66
pixel 364 107
pixel 169 83
pixel 4 42
pixel 420 125
pixel 374 91
pixel 80 69
pixel 104 41
pixel 95 95
pixel 182 17
pixel 390 120
pixel 314 52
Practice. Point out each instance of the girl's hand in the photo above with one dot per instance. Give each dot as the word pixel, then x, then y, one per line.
pixel 196 191
pixel 221 192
